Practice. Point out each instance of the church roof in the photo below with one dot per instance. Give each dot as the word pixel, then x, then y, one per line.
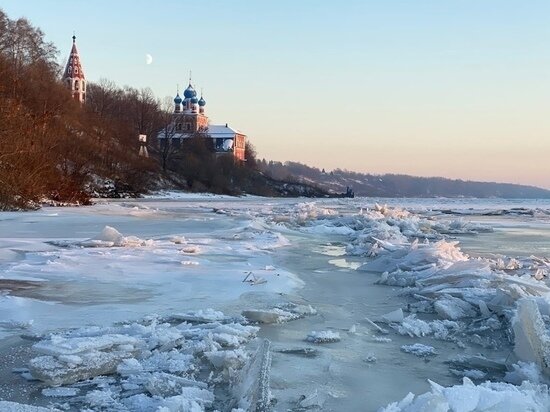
pixel 215 131
pixel 222 131
pixel 74 67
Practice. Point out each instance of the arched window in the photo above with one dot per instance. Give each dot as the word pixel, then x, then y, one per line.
pixel 178 127
pixel 76 84
pixel 83 86
pixel 188 126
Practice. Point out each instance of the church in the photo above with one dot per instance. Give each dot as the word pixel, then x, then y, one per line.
pixel 189 119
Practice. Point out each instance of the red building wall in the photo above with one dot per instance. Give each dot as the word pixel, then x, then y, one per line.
pixel 239 145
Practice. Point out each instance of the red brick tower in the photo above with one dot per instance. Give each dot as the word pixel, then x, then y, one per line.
pixel 73 77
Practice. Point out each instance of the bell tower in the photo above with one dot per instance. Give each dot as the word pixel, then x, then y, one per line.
pixel 73 77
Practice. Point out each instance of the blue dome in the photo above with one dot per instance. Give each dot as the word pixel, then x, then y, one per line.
pixel 189 92
pixel 177 99
pixel 202 102
pixel 194 100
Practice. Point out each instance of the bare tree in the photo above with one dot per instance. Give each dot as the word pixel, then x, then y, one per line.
pixel 167 143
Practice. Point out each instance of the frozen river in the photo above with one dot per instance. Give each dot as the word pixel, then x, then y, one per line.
pixel 121 261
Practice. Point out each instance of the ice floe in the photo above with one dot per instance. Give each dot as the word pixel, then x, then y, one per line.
pixel 418 349
pixel 154 364
pixel 468 397
pixel 110 237
pixel 324 336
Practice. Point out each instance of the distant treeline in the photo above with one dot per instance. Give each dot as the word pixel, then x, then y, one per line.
pixel 395 185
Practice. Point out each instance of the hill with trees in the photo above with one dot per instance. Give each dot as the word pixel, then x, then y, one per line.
pixel 53 148
pixel 396 185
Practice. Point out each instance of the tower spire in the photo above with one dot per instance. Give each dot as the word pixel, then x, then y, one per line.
pixel 73 77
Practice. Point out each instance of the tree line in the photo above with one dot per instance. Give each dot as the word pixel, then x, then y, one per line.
pixel 52 147
pixel 396 185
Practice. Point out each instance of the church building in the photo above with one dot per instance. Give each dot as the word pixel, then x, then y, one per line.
pixel 73 77
pixel 189 119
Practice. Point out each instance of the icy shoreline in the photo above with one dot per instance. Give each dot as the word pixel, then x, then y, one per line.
pixel 446 295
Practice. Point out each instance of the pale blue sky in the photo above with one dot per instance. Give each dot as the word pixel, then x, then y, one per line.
pixel 456 88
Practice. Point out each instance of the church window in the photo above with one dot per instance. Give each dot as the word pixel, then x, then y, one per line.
pixel 76 84
pixel 178 126
pixel 188 126
pixel 83 86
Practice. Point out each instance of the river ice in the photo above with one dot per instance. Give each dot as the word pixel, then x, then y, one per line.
pixel 162 304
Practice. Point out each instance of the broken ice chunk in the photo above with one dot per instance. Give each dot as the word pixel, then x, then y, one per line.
pixel 60 392
pixel 129 367
pixel 59 345
pixel 370 358
pixel 16 324
pixel 110 237
pixel 381 339
pixel 166 384
pixel 54 373
pixel 178 240
pixel 6 406
pixel 274 315
pixel 191 249
pixel 314 400
pixel 419 350
pixel 449 307
pixel 306 352
pixel 531 342
pixel 394 316
pixel 488 396
pixel 479 362
pixel 524 371
pixel 228 360
pixel 201 316
pixel 324 336
pixel 474 374
pixel 189 263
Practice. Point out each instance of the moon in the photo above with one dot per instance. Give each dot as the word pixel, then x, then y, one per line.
pixel 148 59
